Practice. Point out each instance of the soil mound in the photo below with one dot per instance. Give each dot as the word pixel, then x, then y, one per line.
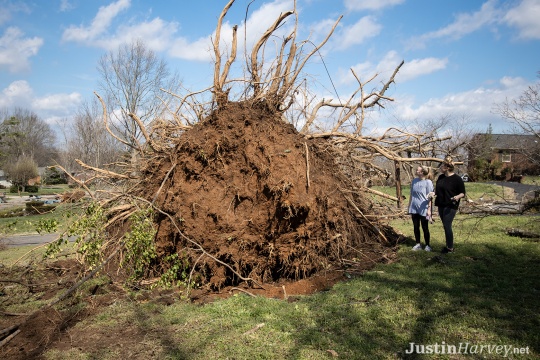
pixel 244 196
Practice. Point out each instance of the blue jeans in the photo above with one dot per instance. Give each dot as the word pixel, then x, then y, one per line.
pixel 447 215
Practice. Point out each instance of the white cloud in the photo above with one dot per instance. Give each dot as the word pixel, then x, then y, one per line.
pixel 100 24
pixel 160 35
pixel 517 83
pixel 17 93
pixel 411 69
pixel 5 15
pixel 257 23
pixel 525 17
pixel 464 24
pixel 320 29
pixel 357 5
pixel 261 19
pixel 57 102
pixel 365 28
pixel 199 50
pixel 156 35
pixel 65 5
pixel 475 104
pixel 20 94
pixel 419 67
pixel 15 50
pixel 9 7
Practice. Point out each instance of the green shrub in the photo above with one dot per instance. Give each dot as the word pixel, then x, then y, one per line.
pixel 54 176
pixel 31 189
pixel 140 249
pixel 14 189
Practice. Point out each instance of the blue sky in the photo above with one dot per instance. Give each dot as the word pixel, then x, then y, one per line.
pixel 461 56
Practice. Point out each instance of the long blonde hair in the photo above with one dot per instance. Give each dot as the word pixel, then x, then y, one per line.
pixel 426 171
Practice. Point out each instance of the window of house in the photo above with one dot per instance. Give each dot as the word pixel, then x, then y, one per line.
pixel 506 158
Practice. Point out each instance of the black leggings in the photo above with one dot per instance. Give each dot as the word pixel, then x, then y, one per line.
pixel 447 215
pixel 418 219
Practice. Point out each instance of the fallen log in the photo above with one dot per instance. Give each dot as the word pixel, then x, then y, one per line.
pixel 522 233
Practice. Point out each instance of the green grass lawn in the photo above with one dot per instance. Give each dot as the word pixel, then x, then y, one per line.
pixel 486 293
pixel 531 180
pixel 43 190
pixel 30 224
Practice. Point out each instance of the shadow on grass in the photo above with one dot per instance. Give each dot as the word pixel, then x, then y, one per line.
pixel 480 295
pixel 168 345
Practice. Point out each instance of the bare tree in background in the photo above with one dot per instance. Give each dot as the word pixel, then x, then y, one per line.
pixel 28 136
pixel 458 131
pixel 445 135
pixel 132 79
pixel 523 112
pixel 87 140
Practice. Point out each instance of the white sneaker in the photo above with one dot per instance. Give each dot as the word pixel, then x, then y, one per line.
pixel 417 247
pixel 427 248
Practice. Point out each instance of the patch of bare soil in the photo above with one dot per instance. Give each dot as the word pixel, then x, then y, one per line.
pixel 25 333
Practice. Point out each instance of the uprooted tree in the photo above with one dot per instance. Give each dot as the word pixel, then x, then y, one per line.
pixel 229 191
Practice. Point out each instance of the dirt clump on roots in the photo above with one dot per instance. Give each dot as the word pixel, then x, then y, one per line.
pixel 263 201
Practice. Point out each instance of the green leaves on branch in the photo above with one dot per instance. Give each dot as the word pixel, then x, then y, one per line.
pixel 89 234
pixel 140 250
pixel 47 226
pixel 177 273
pixel 138 256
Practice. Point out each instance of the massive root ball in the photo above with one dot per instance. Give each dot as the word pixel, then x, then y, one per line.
pixel 243 195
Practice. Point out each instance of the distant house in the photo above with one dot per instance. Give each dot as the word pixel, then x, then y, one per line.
pixel 37 179
pixel 82 177
pixel 515 155
pixel 34 181
pixel 3 182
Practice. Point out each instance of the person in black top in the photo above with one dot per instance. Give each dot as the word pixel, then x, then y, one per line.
pixel 449 190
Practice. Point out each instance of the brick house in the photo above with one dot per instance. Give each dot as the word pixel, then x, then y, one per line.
pixel 512 155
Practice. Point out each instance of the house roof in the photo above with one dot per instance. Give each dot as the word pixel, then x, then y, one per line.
pixel 512 141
